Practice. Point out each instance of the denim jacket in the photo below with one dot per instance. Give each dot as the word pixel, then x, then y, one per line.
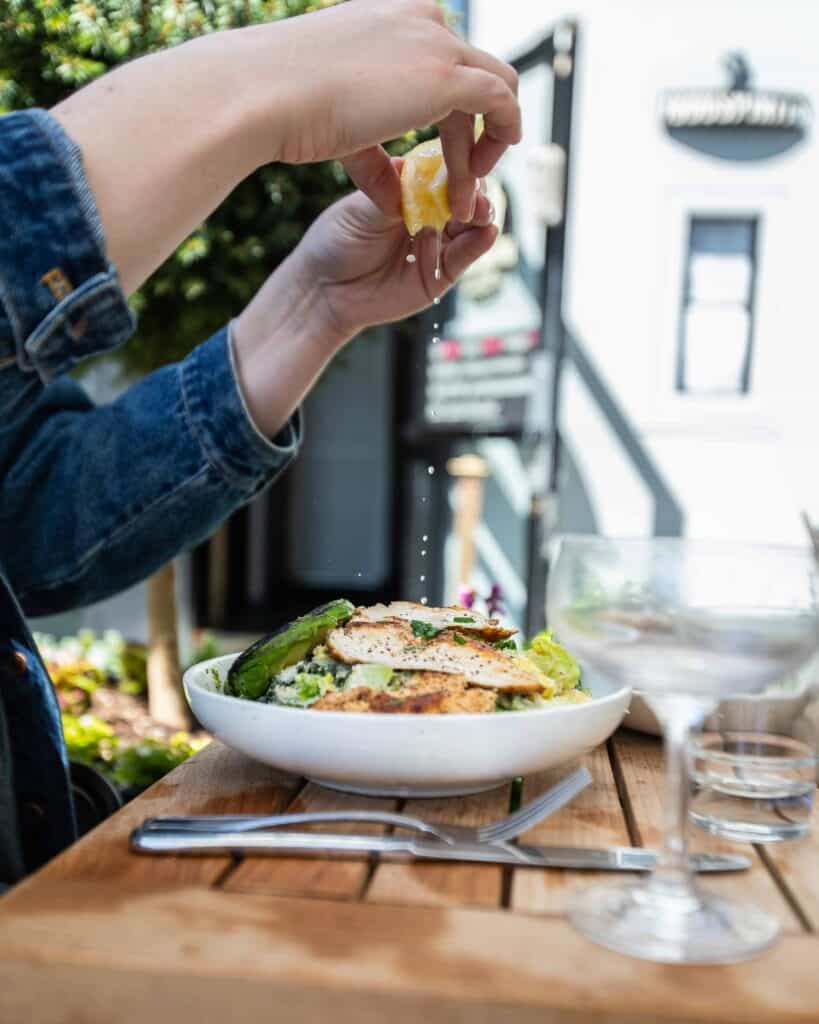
pixel 92 498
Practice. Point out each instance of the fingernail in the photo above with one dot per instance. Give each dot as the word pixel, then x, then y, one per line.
pixel 482 186
pixel 491 212
pixel 473 203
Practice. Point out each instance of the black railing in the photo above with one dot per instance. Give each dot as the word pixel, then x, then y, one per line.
pixel 559 52
pixel 668 516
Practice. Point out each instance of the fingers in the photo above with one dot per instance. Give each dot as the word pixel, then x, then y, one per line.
pixel 484 216
pixel 462 252
pixel 483 92
pixel 473 57
pixel 458 139
pixel 378 177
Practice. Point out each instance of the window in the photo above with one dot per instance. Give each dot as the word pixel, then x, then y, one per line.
pixel 717 321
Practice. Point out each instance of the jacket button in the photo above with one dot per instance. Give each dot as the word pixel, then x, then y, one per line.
pixel 17 663
pixel 33 813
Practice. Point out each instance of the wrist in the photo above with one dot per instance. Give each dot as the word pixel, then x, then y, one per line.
pixel 281 343
pixel 275 105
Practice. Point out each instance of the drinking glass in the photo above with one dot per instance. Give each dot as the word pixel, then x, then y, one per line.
pixel 751 787
pixel 688 623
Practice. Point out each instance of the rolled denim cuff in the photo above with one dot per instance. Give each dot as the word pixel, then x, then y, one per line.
pixel 218 418
pixel 61 299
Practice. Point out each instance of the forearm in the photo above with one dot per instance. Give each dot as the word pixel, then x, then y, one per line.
pixel 281 343
pixel 166 138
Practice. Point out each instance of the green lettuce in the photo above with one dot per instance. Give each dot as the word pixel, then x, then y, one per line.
pixel 305 689
pixel 375 677
pixel 554 661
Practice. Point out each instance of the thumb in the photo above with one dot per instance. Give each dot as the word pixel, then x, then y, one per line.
pixel 378 177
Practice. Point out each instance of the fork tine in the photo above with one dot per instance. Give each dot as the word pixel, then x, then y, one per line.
pixel 538 809
pixel 555 798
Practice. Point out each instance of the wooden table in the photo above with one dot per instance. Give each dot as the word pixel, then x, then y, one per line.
pixel 102 935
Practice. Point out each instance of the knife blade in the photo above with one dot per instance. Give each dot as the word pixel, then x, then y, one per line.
pixel 618 858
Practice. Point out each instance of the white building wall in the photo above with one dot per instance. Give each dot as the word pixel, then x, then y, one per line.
pixel 741 466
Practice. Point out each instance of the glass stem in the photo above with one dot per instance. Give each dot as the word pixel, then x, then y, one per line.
pixel 678 715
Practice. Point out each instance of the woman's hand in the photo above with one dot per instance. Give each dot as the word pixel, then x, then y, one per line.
pixel 357 254
pixel 356 74
pixel 348 272
pixel 167 137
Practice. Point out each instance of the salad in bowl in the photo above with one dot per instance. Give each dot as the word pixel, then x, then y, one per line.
pixel 404 700
pixel 404 658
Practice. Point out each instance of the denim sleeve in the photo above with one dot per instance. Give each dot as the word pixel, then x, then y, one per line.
pixel 60 299
pixel 95 498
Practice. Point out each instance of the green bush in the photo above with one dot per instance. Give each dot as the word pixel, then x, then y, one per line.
pixel 49 48
pixel 140 765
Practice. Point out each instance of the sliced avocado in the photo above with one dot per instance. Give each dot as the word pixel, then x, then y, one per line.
pixel 252 672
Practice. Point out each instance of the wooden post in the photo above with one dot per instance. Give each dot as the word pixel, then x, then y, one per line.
pixel 470 471
pixel 166 702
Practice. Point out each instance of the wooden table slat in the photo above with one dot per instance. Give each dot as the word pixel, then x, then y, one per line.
pixel 216 781
pixel 437 884
pixel 312 877
pixel 797 864
pixel 594 818
pixel 333 959
pixel 102 934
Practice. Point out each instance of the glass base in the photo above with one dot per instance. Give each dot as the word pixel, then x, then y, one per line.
pixel 762 831
pixel 673 923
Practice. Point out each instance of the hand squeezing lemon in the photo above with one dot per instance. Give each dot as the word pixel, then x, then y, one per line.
pixel 424 188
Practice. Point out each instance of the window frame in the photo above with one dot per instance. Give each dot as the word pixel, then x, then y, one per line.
pixel 753 219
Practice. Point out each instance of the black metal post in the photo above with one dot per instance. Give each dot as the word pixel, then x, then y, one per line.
pixel 562 52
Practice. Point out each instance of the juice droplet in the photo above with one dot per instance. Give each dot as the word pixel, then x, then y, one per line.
pixel 423 553
pixel 423 579
pixel 435 340
pixel 437 300
pixel 430 470
pixel 438 244
pixel 424 600
pixel 436 327
pixel 425 538
pixel 411 254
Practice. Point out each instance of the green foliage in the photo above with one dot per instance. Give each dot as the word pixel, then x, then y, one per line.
pixel 79 665
pixel 86 661
pixel 49 48
pixel 88 739
pixel 139 766
pixel 207 648
pixel 91 741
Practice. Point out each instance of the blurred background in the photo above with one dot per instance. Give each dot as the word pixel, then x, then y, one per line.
pixel 635 356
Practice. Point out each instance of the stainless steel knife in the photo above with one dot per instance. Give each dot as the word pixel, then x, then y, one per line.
pixel 617 858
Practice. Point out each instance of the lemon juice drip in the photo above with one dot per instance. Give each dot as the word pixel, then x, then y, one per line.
pixel 438 246
pixel 411 254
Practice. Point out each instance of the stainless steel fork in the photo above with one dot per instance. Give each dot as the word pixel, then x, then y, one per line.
pixel 494 832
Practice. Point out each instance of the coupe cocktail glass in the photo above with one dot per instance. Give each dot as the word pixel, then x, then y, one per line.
pixel 687 623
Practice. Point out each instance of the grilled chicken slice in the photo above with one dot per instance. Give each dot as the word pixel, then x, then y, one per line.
pixel 424 693
pixel 393 643
pixel 438 618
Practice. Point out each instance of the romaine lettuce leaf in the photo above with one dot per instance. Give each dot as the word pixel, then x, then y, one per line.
pixel 554 661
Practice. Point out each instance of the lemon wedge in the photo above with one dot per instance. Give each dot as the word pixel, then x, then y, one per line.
pixel 424 188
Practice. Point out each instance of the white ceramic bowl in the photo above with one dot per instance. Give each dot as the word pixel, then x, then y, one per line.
pixel 405 755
